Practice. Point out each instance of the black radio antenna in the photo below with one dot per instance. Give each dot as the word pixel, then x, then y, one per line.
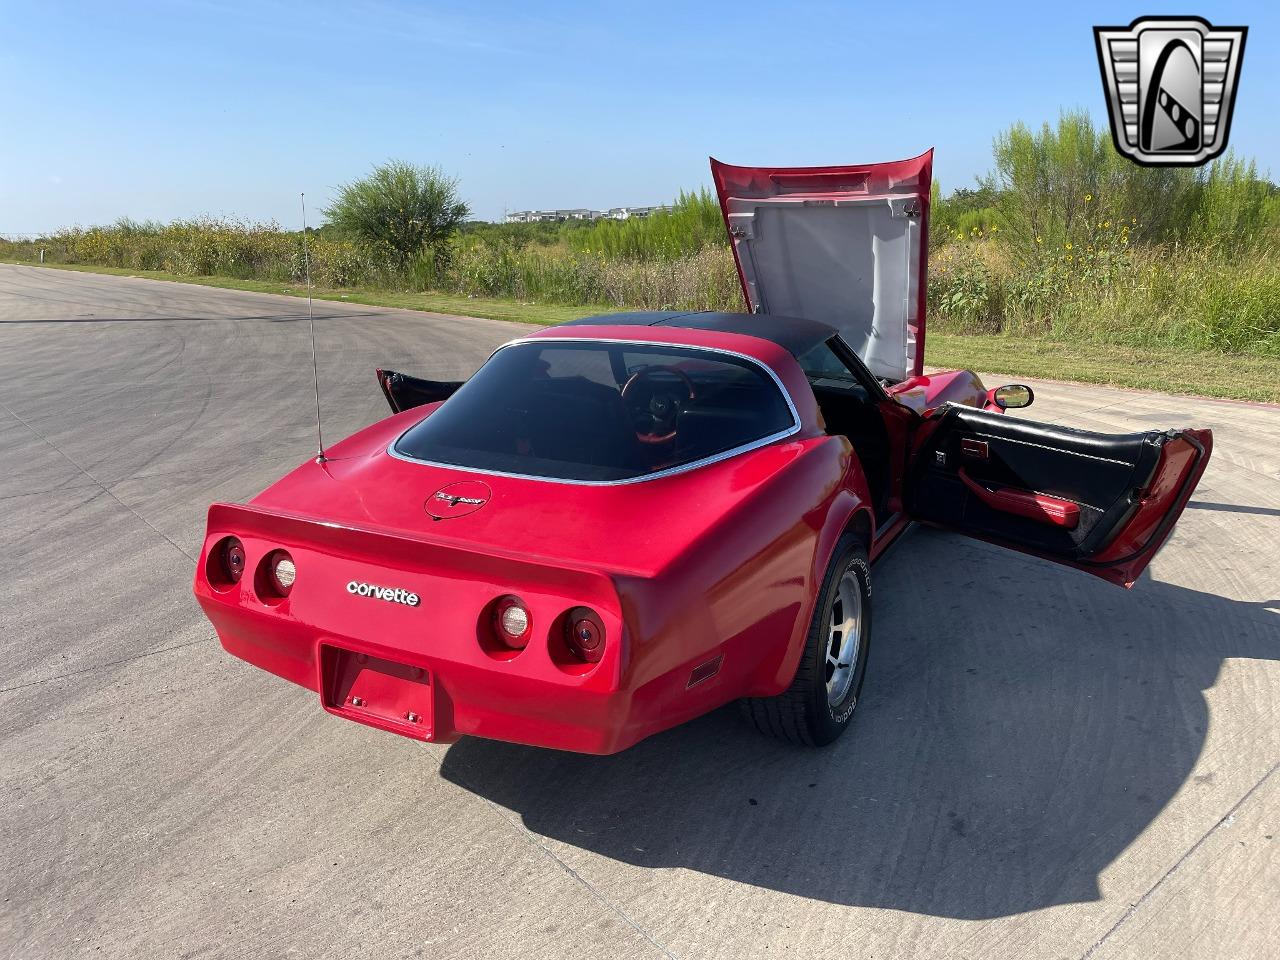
pixel 311 321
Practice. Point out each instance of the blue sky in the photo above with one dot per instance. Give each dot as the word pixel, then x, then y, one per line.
pixel 232 109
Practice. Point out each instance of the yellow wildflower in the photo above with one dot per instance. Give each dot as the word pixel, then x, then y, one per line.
pixel 1068 244
pixel 1088 197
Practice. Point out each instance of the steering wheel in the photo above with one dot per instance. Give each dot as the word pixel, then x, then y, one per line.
pixel 656 406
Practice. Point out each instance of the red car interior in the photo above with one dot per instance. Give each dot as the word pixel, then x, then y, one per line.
pixel 1056 491
pixel 1025 503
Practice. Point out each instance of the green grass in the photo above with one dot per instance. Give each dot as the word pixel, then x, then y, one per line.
pixel 1204 373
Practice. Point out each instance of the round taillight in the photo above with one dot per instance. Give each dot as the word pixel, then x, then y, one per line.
pixel 233 559
pixel 584 634
pixel 511 622
pixel 283 572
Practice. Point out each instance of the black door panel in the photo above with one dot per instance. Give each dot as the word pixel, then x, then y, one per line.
pixel 404 392
pixel 1104 475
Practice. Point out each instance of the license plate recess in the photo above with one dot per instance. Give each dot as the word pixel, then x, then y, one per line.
pixel 383 693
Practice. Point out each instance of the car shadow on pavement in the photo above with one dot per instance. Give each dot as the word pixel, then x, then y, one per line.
pixel 1020 727
pixel 1234 508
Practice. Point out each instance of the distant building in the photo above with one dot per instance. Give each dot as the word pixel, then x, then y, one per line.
pixel 533 216
pixel 628 213
pixel 581 213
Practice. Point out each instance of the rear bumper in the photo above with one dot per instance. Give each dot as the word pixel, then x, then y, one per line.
pixel 450 698
pixel 431 668
pixel 497 700
pixel 376 661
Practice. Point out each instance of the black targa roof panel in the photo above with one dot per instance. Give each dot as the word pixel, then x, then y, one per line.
pixel 794 334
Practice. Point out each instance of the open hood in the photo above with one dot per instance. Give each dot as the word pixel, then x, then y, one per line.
pixel 847 246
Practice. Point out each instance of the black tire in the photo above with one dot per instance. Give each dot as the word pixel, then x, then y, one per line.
pixel 804 713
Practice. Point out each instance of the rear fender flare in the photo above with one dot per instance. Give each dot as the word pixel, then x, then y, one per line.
pixel 849 511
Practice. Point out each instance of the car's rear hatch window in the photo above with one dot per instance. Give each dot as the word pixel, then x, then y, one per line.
pixel 593 411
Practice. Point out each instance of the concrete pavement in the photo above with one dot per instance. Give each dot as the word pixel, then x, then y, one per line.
pixel 1043 765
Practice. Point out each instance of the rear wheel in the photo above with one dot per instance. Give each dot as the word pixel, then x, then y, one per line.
pixel 819 704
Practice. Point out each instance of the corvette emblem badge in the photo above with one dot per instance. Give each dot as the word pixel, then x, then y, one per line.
pixel 458 499
pixel 389 594
pixel 1170 84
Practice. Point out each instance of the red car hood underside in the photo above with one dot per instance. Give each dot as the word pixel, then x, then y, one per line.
pixel 843 245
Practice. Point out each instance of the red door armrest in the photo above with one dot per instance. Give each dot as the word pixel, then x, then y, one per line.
pixel 1025 503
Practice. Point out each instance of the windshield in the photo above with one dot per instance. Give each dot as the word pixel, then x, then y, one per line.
pixel 592 411
pixel 821 363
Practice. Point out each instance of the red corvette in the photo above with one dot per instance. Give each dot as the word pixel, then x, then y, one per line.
pixel 624 522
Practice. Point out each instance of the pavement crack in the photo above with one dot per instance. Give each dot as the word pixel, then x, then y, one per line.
pixel 1225 820
pixel 102 666
pixel 102 486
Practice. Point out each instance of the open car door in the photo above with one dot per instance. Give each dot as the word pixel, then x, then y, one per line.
pixel 1103 503
pixel 404 392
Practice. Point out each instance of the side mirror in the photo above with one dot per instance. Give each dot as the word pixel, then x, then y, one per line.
pixel 1012 396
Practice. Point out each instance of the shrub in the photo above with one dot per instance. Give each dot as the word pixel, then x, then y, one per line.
pixel 399 211
pixel 693 222
pixel 964 290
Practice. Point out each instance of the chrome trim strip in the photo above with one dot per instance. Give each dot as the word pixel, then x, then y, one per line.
pixel 670 471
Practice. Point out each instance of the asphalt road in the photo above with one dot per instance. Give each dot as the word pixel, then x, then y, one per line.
pixel 1043 765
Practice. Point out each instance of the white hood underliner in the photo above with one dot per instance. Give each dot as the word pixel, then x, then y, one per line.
pixel 846 246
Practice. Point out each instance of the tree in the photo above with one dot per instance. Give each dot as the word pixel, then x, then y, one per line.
pixel 400 209
pixel 1058 183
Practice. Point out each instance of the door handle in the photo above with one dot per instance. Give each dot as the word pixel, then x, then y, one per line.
pixel 1025 503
